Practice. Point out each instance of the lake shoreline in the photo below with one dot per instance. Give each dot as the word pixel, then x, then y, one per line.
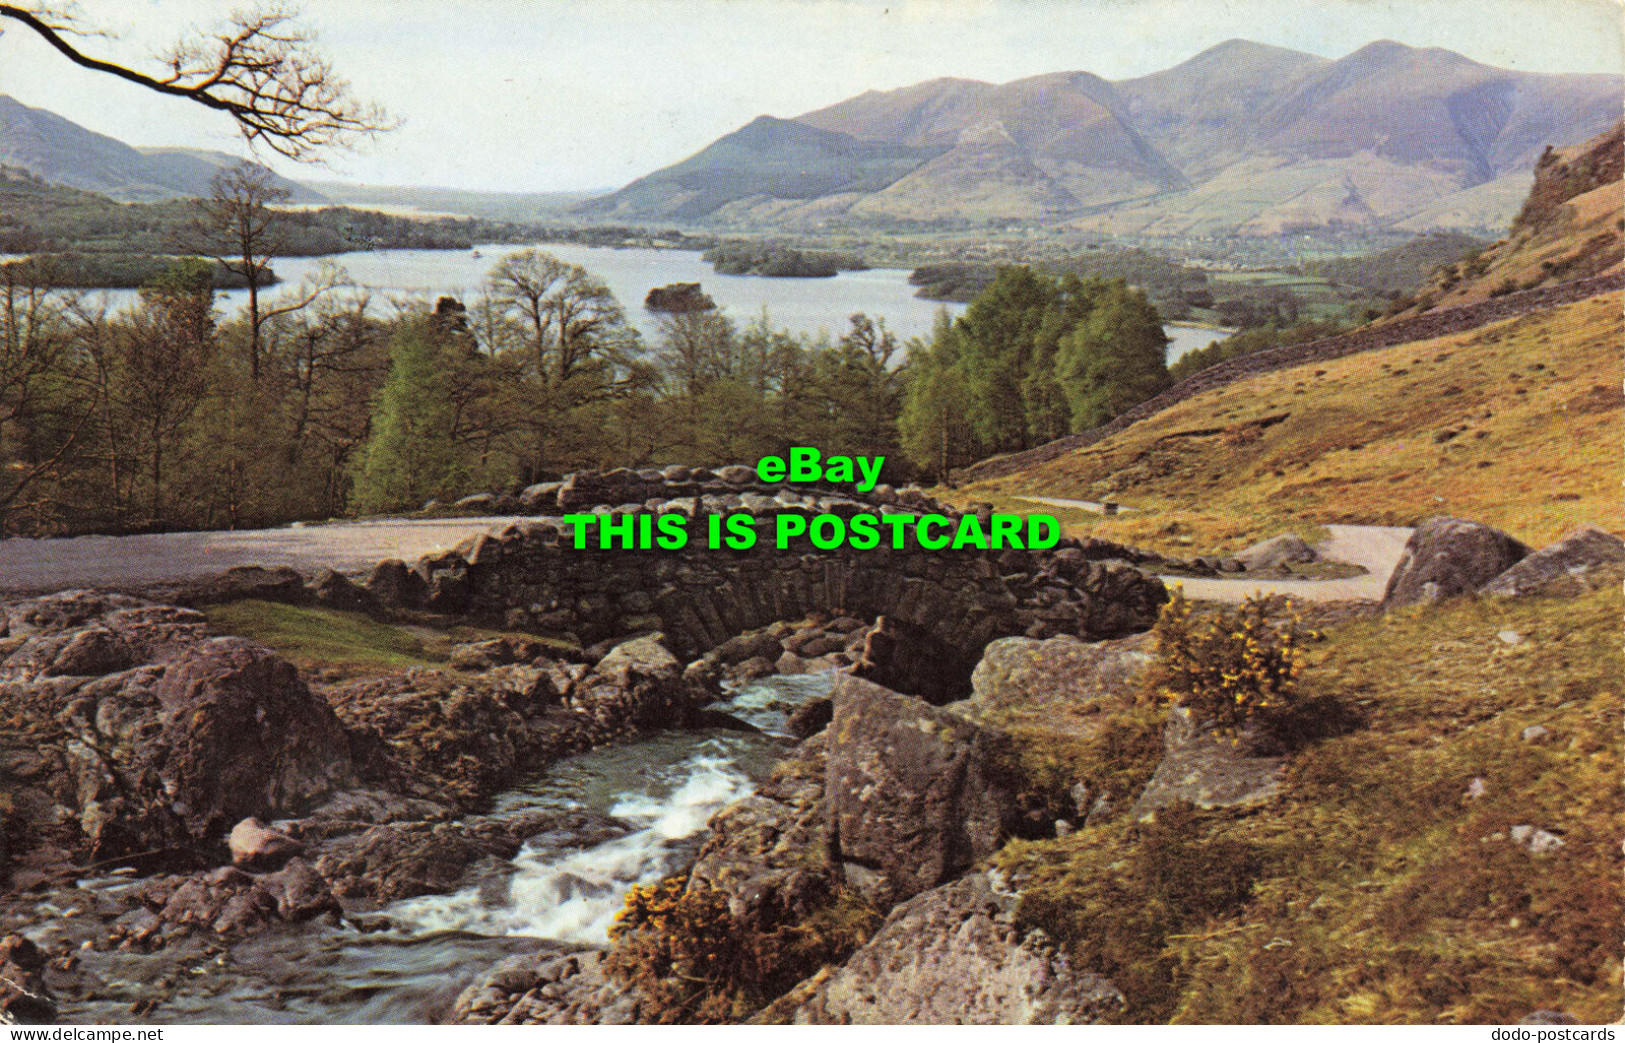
pixel 809 305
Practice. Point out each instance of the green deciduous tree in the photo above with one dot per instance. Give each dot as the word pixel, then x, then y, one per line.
pixel 1115 358
pixel 935 427
pixel 1033 358
pixel 411 455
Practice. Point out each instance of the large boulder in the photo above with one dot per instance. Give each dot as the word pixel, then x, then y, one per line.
pixel 241 582
pixel 254 845
pixel 241 735
pixel 1448 557
pixel 1285 549
pixel 1020 672
pixel 393 584
pixel 333 589
pixel 1557 568
pixel 547 988
pixel 957 955
pixel 229 901
pixel 153 735
pixel 915 792
pixel 1211 770
pixel 23 996
pixel 400 860
pixel 770 853
pixel 640 685
pixel 754 645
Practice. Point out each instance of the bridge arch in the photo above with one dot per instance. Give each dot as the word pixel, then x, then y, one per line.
pixel 530 577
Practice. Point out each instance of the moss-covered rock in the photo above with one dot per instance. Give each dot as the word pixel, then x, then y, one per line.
pixel 955 955
pixel 916 792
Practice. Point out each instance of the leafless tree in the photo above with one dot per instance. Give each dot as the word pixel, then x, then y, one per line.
pixel 234 225
pixel 259 68
pixel 572 321
pixel 161 353
pixel 39 425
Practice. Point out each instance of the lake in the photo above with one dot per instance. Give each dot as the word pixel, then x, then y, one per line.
pixel 800 305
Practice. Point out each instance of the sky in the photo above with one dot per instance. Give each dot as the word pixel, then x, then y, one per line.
pixel 566 95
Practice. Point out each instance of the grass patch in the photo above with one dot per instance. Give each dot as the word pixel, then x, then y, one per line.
pixel 1517 424
pixel 349 644
pixel 1376 889
pixel 323 638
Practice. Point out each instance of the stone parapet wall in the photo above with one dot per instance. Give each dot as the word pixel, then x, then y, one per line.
pixel 624 486
pixel 530 577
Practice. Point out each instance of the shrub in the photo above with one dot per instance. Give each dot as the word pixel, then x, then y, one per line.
pixel 694 962
pixel 679 948
pixel 1231 669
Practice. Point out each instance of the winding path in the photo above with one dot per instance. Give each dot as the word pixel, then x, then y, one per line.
pixel 1376 548
pixel 1092 506
pixel 30 566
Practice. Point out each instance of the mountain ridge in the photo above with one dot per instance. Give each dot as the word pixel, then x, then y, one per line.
pixel 1241 138
pixel 62 152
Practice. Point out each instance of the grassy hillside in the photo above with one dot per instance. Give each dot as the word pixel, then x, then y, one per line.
pixel 1400 268
pixel 1378 888
pixel 1572 226
pixel 1517 424
pixel 37 215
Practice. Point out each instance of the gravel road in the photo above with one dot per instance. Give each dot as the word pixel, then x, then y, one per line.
pixel 131 562
pixel 1374 547
pixel 40 566
pixel 1092 506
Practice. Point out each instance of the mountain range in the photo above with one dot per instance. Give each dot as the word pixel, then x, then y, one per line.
pixel 1243 138
pixel 64 153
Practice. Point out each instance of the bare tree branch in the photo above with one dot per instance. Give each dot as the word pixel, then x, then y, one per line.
pixel 259 69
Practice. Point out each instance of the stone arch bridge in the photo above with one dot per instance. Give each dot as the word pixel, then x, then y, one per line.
pixel 950 604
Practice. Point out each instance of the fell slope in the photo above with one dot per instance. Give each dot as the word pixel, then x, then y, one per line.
pixel 769 159
pixel 1038 147
pixel 1383 886
pixel 1571 226
pixel 64 153
pixel 1517 424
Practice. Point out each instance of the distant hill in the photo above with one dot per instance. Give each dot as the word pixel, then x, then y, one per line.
pixel 37 216
pixel 768 159
pixel 1039 147
pixel 64 153
pixel 409 200
pixel 1243 138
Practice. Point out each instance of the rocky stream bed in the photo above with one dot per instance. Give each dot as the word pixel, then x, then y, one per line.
pixel 192 831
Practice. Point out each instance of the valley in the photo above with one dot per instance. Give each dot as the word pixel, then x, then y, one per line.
pixel 343 679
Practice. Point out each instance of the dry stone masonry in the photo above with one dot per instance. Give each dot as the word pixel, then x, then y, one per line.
pixel 530 577
pixel 584 490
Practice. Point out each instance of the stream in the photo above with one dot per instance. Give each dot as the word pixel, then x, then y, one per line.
pixel 407 963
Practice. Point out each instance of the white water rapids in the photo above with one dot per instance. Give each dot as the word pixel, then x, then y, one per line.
pixel 665 788
pixel 573 896
pixel 651 797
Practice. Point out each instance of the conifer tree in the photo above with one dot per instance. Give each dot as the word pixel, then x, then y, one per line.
pixel 410 456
